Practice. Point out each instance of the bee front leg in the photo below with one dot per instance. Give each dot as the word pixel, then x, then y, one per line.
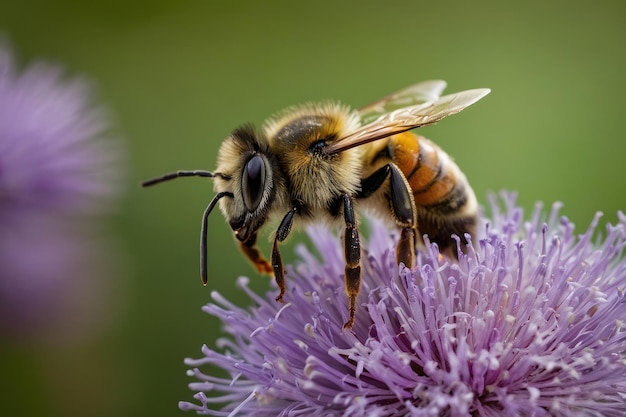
pixel 277 261
pixel 352 252
pixel 250 249
pixel 402 205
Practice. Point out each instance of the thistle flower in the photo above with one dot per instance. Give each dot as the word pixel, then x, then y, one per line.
pixel 54 158
pixel 58 173
pixel 530 321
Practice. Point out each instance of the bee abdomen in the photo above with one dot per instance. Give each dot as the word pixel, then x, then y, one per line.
pixel 434 178
pixel 451 203
pixel 445 201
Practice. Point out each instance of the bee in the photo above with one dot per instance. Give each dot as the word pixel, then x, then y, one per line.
pixel 322 160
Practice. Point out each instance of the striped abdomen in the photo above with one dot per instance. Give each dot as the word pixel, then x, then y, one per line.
pixel 445 201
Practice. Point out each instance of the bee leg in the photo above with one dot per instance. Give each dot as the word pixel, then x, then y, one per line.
pixel 405 249
pixel 402 204
pixel 403 208
pixel 252 252
pixel 352 252
pixel 277 261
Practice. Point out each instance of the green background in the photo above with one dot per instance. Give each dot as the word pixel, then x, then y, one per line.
pixel 180 75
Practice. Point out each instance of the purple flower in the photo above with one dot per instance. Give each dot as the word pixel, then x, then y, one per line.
pixel 529 322
pixel 58 173
pixel 53 156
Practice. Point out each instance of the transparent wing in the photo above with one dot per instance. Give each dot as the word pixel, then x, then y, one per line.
pixel 416 94
pixel 407 118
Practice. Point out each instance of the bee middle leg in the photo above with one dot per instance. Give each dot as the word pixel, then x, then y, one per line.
pixel 352 253
pixel 277 262
pixel 402 205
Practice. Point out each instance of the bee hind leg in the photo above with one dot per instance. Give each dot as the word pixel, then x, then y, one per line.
pixel 405 250
pixel 402 205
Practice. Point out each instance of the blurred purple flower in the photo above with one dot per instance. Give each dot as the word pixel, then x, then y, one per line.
pixel 53 157
pixel 58 173
pixel 530 322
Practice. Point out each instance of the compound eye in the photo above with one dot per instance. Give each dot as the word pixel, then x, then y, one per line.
pixel 253 182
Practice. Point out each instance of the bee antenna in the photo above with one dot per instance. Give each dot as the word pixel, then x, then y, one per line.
pixel 203 234
pixel 178 174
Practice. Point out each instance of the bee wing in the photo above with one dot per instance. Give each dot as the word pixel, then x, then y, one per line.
pixel 416 94
pixel 407 118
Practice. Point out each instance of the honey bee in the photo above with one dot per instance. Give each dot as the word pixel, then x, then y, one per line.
pixel 321 160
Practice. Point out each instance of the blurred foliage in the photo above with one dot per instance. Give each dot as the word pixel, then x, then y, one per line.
pixel 179 76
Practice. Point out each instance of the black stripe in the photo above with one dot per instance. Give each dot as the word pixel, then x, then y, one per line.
pixel 417 166
pixel 440 229
pixel 452 202
pixel 385 153
pixel 432 182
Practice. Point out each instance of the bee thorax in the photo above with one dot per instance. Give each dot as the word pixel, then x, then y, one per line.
pixel 317 183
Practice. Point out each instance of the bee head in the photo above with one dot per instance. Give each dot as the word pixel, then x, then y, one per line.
pixel 249 172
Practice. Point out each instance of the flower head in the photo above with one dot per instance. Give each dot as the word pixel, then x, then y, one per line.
pixel 58 172
pixel 54 157
pixel 528 322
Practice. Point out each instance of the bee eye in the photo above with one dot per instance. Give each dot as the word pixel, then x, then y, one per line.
pixel 253 182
